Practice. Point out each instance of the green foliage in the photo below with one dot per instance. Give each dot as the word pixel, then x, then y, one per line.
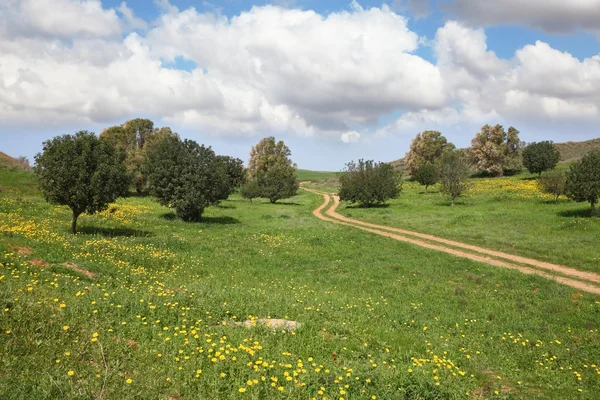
pixel 132 140
pixel 453 169
pixel 185 176
pixel 272 173
pixel 427 175
pixel 426 147
pixel 250 190
pixel 496 152
pixel 369 183
pixel 540 157
pixel 553 182
pixel 82 172
pixel 583 179
pixel 234 171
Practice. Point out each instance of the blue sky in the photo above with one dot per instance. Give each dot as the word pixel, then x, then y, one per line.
pixel 337 80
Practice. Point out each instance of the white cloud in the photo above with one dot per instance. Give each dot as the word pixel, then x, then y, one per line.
pixel 131 20
pixel 350 137
pixel 549 15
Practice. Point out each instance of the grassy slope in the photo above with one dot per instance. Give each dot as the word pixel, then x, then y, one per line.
pixel 307 175
pixel 506 214
pixel 386 317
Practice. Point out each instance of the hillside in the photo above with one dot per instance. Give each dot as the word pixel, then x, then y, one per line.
pixel 569 151
pixel 10 162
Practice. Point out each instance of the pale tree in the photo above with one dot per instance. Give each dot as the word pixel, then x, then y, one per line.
pixel 494 151
pixel 426 147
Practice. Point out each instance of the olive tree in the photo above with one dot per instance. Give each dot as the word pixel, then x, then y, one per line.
pixel 583 180
pixel 454 168
pixel 82 172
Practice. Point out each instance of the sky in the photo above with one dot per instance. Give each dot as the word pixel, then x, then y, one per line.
pixel 336 80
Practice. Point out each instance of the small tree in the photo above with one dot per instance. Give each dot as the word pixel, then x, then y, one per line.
pixel 185 176
pixel 250 190
pixel 82 172
pixel 272 171
pixel 233 170
pixel 454 169
pixel 427 175
pixel 540 157
pixel 583 180
pixel 369 183
pixel 426 147
pixel 553 182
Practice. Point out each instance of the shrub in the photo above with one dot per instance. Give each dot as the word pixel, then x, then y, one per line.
pixel 427 175
pixel 583 180
pixel 553 182
pixel 540 157
pixel 369 183
pixel 82 172
pixel 185 176
pixel 454 169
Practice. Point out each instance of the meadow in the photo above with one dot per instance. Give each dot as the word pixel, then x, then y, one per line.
pixel 142 305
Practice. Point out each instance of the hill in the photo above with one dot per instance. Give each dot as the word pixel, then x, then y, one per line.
pixel 10 162
pixel 307 175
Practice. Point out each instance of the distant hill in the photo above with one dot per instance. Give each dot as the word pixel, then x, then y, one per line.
pixel 569 151
pixel 307 175
pixel 7 161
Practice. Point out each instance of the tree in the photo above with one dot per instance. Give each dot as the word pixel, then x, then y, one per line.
pixel 272 171
pixel 496 152
pixel 233 169
pixel 426 175
pixel 82 172
pixel 369 183
pixel 453 169
pixel 426 147
pixel 132 139
pixel 540 157
pixel 185 176
pixel 583 180
pixel 250 190
pixel 553 182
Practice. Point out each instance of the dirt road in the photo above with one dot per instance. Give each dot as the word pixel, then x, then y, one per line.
pixel 580 280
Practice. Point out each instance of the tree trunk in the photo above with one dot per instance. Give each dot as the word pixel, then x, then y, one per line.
pixel 426 186
pixel 452 203
pixel 593 204
pixel 74 222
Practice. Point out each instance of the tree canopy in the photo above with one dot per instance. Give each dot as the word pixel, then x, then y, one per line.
pixel 454 168
pixel 583 180
pixel 369 183
pixel 540 157
pixel 82 172
pixel 426 147
pixel 495 151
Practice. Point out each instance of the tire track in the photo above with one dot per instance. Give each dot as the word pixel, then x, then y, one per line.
pixel 491 257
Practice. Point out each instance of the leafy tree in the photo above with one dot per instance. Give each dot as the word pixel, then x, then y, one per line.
pixel 496 152
pixel 82 172
pixel 426 147
pixel 583 180
pixel 233 169
pixel 132 139
pixel 272 171
pixel 250 190
pixel 453 169
pixel 426 175
pixel 553 182
pixel 540 157
pixel 369 183
pixel 185 176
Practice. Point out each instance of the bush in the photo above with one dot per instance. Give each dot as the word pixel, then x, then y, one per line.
pixel 540 157
pixel 185 176
pixel 454 168
pixel 369 183
pixel 553 182
pixel 583 180
pixel 82 172
pixel 427 175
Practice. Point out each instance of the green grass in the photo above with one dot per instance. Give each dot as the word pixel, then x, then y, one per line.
pixel 306 175
pixel 508 214
pixel 380 318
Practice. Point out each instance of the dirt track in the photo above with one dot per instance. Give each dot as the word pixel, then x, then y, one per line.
pixel 581 280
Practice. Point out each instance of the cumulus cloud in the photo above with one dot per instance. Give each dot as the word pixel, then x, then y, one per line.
pixel 274 70
pixel 350 137
pixel 550 15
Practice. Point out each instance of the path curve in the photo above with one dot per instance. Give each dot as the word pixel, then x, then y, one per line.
pixel 584 281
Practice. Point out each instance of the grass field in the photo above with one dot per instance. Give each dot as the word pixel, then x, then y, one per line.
pixel 306 175
pixel 142 305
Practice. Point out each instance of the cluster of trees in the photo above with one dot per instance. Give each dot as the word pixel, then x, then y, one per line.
pixel 496 152
pixel 369 183
pixel 87 172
